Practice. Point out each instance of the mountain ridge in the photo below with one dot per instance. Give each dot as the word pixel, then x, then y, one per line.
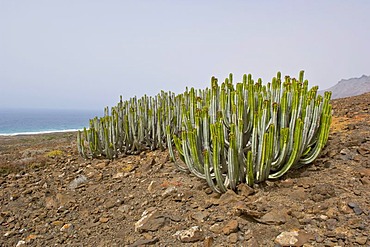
pixel 349 87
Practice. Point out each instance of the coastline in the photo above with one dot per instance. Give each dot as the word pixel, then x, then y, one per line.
pixel 43 121
pixel 38 132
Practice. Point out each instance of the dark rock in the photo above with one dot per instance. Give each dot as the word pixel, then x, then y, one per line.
pixel 355 208
pixel 358 210
pixel 328 164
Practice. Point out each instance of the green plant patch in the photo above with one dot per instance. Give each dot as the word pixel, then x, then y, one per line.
pixel 54 154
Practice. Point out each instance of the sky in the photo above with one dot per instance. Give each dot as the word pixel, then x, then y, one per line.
pixel 84 54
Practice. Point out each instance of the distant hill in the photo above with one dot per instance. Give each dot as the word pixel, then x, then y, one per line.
pixel 350 87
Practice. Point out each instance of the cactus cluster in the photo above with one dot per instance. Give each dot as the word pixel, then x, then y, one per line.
pixel 226 134
pixel 129 128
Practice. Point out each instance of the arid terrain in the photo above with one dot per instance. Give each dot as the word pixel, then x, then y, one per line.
pixel 50 196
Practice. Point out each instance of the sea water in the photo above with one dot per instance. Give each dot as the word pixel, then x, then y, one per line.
pixel 35 121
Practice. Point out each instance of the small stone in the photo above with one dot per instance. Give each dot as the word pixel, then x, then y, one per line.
pixel 208 191
pixel 321 192
pixel 229 197
pixel 20 243
pixel 323 217
pixel 248 234
pixel 355 208
pixel 361 240
pixel 118 175
pixel 252 242
pixel 332 212
pixel 231 227
pixel 331 224
pixel 298 194
pixel 304 182
pixel 81 179
pixel 365 181
pixel 233 238
pixel 319 239
pixel 144 242
pixel 50 203
pixel 101 165
pixel 194 234
pixel 216 228
pixel 275 217
pixel 357 192
pixel 57 223
pixel 245 190
pixel 200 216
pixel 345 151
pixel 9 233
pixel 10 220
pixel 287 238
pixel 357 211
pixel 151 220
pixel 124 208
pixel 287 183
pixel 344 208
pixel 208 241
pixel 150 187
pixel 331 234
pixel 365 172
pixel 328 164
pixel 294 238
pixel 31 237
pixel 169 190
pixel 104 220
pixel 66 228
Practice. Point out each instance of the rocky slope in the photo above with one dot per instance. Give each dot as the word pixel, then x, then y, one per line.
pixel 350 87
pixel 49 196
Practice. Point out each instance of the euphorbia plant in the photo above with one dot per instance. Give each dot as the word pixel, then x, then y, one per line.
pixel 251 132
pixel 226 134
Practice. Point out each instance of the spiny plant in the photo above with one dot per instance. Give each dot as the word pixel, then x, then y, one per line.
pixel 226 134
pixel 129 128
pixel 249 132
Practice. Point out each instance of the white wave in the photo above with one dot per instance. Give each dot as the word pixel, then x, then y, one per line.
pixel 39 132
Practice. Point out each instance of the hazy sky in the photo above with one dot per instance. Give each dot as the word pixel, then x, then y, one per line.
pixel 83 54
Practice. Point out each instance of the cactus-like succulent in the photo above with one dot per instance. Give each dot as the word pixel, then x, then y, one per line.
pixel 131 127
pixel 249 132
pixel 226 134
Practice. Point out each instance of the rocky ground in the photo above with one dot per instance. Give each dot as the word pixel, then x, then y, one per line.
pixel 52 197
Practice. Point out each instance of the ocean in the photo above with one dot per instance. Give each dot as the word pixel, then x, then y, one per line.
pixel 37 121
